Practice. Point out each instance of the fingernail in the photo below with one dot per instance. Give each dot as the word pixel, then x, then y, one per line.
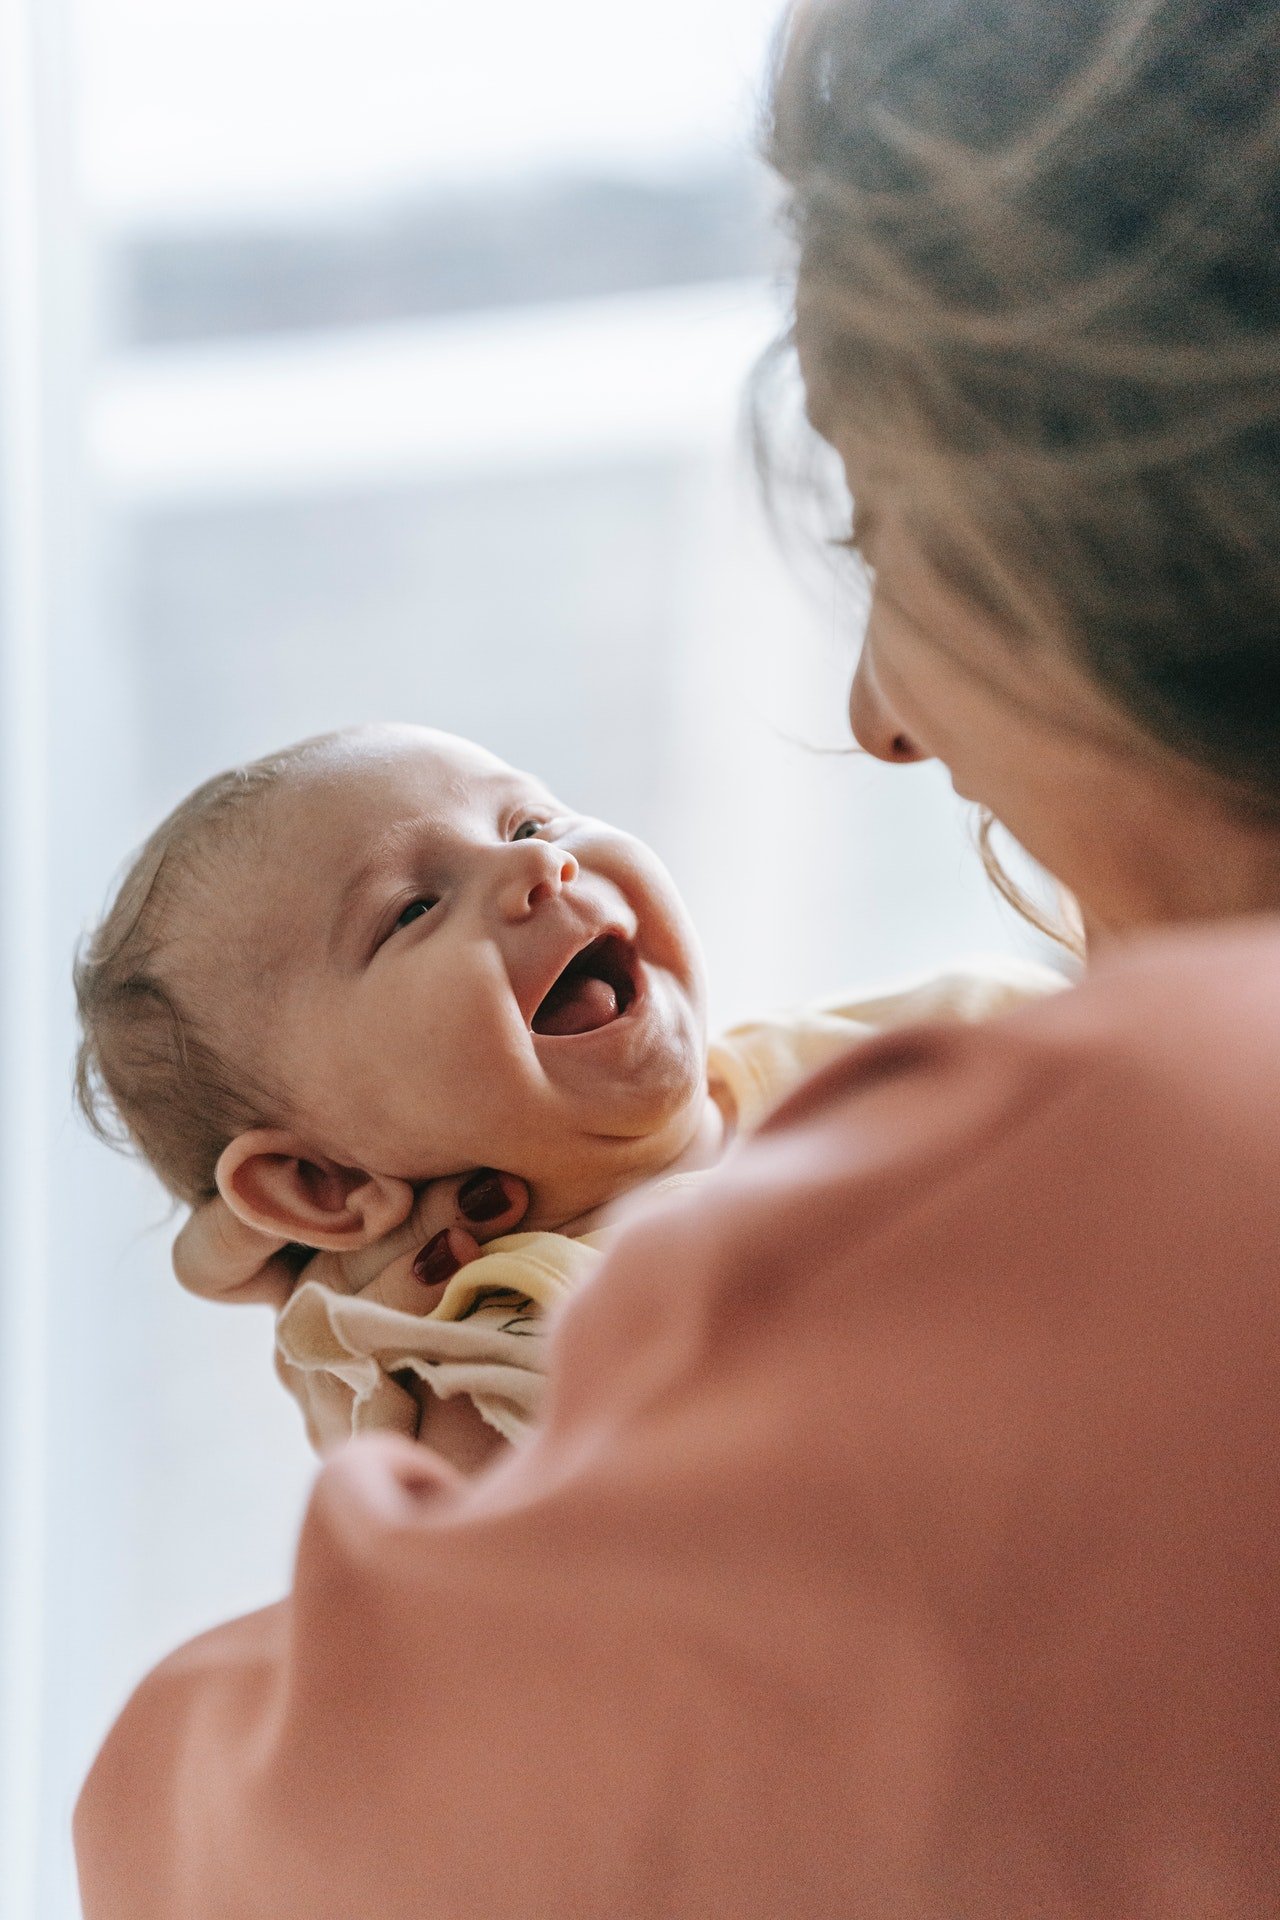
pixel 437 1262
pixel 483 1197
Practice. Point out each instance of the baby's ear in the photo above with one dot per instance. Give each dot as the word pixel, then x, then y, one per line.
pixel 272 1181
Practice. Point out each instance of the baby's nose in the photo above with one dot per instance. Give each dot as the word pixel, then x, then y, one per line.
pixel 533 873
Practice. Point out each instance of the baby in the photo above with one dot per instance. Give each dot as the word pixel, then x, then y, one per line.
pixel 382 957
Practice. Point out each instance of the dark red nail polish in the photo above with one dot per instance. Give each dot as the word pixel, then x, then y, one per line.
pixel 437 1262
pixel 483 1197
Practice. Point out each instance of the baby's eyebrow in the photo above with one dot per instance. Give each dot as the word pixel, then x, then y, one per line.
pixel 378 865
pixel 525 788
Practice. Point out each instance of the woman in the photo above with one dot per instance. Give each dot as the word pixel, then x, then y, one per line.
pixel 901 1541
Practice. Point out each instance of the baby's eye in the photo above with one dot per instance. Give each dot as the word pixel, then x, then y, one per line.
pixel 415 910
pixel 528 829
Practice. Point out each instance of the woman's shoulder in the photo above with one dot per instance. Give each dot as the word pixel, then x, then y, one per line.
pixel 1105 1154
pixel 1131 1119
pixel 1184 1017
pixel 1135 1112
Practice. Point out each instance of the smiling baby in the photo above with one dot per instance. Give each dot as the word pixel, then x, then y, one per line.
pixel 382 957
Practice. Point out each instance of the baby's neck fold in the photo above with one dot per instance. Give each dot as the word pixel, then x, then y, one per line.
pixel 703 1149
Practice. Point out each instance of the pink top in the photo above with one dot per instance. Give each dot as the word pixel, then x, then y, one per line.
pixel 903 1541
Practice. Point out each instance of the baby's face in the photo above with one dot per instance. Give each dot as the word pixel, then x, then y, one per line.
pixel 470 974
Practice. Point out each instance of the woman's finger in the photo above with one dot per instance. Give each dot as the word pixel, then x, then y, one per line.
pixel 217 1256
pixel 444 1254
pixel 483 1204
pixel 453 1217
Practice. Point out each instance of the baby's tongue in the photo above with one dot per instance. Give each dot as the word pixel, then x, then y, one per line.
pixel 578 1003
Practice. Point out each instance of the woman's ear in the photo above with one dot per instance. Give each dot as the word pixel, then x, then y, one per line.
pixel 272 1181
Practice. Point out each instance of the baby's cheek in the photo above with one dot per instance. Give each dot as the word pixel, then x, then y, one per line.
pixel 484 1102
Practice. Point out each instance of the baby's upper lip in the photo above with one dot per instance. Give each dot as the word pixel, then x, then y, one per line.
pixel 575 940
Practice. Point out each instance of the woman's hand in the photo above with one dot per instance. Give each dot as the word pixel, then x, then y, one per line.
pixel 217 1256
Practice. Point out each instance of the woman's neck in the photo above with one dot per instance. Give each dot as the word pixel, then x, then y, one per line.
pixel 1216 868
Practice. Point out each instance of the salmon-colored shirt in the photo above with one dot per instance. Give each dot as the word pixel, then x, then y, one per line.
pixel 904 1541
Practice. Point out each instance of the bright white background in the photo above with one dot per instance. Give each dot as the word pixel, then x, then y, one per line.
pixel 195 105
pixel 535 524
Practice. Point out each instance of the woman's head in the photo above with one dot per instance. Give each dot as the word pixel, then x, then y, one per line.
pixel 1038 315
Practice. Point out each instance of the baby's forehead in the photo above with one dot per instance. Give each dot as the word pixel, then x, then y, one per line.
pixel 370 757
pixel 376 773
pixel 367 787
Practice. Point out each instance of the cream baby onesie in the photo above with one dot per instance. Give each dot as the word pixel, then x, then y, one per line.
pixel 356 1362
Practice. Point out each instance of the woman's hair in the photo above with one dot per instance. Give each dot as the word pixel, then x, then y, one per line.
pixel 151 1070
pixel 1039 296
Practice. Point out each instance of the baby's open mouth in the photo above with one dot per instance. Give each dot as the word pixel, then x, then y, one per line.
pixel 596 987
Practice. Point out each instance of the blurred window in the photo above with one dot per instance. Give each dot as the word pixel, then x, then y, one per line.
pixel 387 362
